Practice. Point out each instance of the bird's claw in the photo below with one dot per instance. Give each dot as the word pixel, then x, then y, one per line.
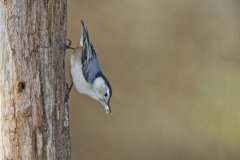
pixel 68 91
pixel 67 45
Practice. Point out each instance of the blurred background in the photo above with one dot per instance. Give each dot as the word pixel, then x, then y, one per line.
pixel 174 67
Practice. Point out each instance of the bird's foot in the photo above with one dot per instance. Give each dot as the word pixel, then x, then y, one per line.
pixel 68 92
pixel 67 45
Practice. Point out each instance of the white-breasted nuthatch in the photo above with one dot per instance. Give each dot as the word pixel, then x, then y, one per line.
pixel 86 74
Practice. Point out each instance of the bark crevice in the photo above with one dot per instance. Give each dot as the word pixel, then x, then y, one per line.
pixel 33 111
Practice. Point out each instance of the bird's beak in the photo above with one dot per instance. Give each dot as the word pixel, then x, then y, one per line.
pixel 106 106
pixel 108 109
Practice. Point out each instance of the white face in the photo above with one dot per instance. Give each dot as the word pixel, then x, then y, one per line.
pixel 103 93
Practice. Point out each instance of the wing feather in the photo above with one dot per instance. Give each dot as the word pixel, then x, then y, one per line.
pixel 90 65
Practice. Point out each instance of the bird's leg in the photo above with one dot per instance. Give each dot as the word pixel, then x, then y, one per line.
pixel 68 91
pixel 67 45
pixel 70 88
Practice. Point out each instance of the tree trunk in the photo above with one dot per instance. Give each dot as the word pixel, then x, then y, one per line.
pixel 34 122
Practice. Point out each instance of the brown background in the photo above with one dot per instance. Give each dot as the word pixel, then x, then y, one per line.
pixel 174 69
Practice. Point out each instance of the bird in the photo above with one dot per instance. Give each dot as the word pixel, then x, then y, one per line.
pixel 86 73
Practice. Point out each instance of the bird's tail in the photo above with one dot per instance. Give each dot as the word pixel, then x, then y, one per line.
pixel 84 35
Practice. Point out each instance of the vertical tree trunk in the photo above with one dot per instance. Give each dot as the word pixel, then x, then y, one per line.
pixel 34 120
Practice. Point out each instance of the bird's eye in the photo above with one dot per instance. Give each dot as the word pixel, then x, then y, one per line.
pixel 105 94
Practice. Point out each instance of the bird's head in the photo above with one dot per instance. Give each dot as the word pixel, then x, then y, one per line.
pixel 103 91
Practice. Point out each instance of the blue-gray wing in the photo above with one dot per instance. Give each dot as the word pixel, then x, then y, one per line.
pixel 90 63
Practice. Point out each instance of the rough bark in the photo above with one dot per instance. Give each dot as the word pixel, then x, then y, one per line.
pixel 34 121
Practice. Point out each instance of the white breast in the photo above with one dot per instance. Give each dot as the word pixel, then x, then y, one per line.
pixel 78 79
